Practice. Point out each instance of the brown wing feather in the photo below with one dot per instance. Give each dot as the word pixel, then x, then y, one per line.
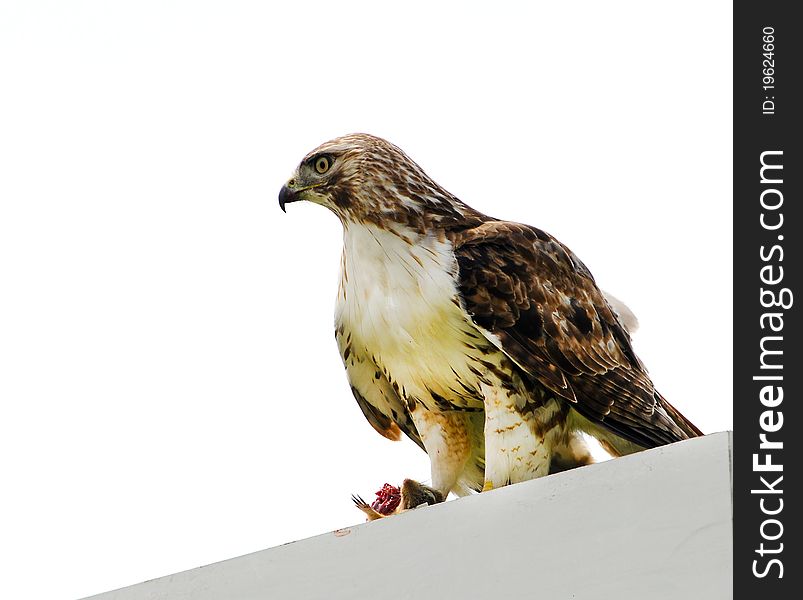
pixel 539 303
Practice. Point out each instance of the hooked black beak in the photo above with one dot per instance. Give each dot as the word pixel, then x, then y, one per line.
pixel 286 196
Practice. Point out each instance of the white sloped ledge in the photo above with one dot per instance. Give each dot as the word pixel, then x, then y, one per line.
pixel 654 525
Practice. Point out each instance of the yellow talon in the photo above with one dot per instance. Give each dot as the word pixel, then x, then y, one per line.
pixel 488 486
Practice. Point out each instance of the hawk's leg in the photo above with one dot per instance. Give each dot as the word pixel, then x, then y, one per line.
pixel 519 438
pixel 447 441
pixel 613 444
pixel 571 453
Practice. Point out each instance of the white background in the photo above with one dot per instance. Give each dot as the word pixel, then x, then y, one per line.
pixel 170 389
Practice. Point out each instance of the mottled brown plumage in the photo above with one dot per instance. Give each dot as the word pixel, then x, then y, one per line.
pixel 487 342
pixel 542 303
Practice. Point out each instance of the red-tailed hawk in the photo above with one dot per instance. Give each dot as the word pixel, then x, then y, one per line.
pixel 486 342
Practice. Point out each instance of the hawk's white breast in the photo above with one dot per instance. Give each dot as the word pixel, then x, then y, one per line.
pixel 398 300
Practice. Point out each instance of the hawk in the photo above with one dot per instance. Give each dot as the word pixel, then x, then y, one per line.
pixel 486 342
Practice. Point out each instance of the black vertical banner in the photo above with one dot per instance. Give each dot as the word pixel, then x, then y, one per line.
pixel 768 369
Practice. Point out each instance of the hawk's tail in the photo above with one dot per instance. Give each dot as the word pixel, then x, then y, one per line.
pixel 686 426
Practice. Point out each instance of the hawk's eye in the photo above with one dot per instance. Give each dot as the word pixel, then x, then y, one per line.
pixel 322 164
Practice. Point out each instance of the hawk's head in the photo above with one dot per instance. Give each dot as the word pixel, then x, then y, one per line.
pixel 363 178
